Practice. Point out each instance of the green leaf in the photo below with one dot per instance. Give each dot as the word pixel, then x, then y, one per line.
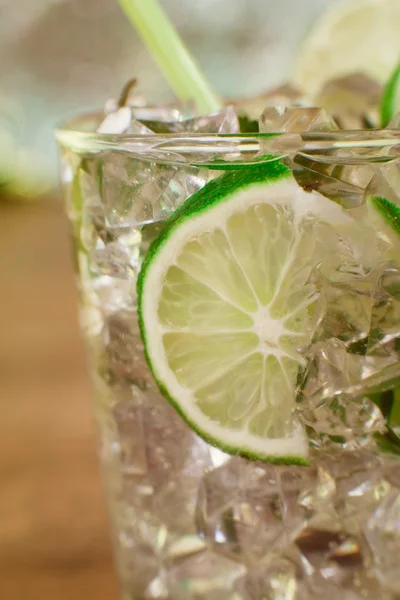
pixel 390 102
pixel 385 402
pixel 248 125
pixel 388 210
pixel 394 417
pixel 388 441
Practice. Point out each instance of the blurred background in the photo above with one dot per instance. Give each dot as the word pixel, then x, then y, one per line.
pixel 61 56
pixel 58 57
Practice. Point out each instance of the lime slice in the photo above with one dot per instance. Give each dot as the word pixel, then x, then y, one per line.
pixel 360 35
pixel 224 305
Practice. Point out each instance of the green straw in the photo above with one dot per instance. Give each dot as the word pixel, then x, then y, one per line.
pixel 174 59
pixel 390 102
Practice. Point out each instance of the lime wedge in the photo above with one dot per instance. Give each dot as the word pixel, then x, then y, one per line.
pixel 353 36
pixel 224 305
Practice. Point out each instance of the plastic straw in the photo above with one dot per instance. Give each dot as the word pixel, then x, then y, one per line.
pixel 171 54
pixel 390 103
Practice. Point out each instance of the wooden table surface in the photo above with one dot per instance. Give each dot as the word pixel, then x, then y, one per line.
pixel 54 542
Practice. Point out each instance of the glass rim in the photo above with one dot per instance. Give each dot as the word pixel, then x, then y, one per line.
pixel 337 146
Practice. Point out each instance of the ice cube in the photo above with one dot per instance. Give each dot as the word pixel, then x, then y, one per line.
pixel 130 428
pixel 246 512
pixel 173 450
pixel 390 281
pixel 174 505
pixel 157 453
pixel 342 183
pixel 343 489
pixel 130 113
pixel 89 183
pixel 90 315
pixel 385 318
pixel 284 95
pixel 165 119
pixel 330 400
pixel 117 121
pixel 139 128
pixel 318 587
pixel 124 351
pixel 162 127
pixel 122 119
pixel 392 472
pixel 358 495
pixel 175 501
pixel 114 260
pixel 224 121
pixel 94 232
pixel 186 181
pixel 112 294
pixel 157 589
pixel 344 464
pixel 319 547
pixel 331 550
pixel 383 534
pixel 386 182
pixel 184 546
pixel 138 193
pixel 218 457
pixel 345 304
pixel 169 113
pixel 122 115
pixel 204 576
pixel 359 485
pixel 352 100
pixel 330 371
pixel 355 334
pixel 343 421
pixel 129 244
pixel 382 351
pixel 133 190
pixel 319 489
pixel 138 566
pixel 273 581
pixel 293 119
pixel 363 417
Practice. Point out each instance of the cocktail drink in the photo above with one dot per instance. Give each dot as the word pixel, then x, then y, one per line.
pixel 239 282
pixel 274 314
